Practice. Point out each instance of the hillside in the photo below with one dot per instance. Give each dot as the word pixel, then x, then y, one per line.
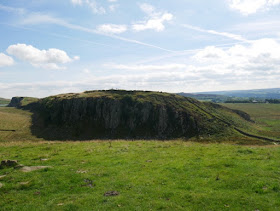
pixel 116 114
pixel 4 101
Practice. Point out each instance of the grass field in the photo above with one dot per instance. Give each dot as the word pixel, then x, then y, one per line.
pixel 266 116
pixel 145 175
pixel 18 120
pixel 4 102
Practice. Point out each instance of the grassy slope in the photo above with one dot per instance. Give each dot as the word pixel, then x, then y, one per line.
pixel 267 117
pixel 148 176
pixel 4 101
pixel 18 120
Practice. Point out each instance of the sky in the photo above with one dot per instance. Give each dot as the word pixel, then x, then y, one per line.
pixel 50 47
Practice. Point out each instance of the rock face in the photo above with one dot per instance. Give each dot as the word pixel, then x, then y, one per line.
pixel 16 102
pixel 111 118
pixel 8 163
pixel 121 115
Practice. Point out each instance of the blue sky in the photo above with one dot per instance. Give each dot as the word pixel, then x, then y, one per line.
pixel 49 47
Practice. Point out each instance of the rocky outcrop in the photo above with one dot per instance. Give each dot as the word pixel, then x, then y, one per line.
pixel 8 163
pixel 244 115
pixel 16 102
pixel 87 118
pixel 115 114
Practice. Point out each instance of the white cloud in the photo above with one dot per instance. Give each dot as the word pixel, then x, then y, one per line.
pixel 86 71
pixel 259 57
pixel 112 28
pixel 95 7
pixel 113 7
pixel 247 7
pixel 189 79
pixel 92 4
pixel 163 67
pixel 77 2
pixel 154 20
pixel 5 60
pixel 48 59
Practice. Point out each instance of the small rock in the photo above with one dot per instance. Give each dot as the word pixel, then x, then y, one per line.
pixel 2 176
pixel 60 204
pixel 8 163
pixel 218 177
pixel 1 185
pixel 19 166
pixel 44 159
pixel 111 193
pixel 89 183
pixel 81 171
pixel 149 161
pixel 33 168
pixel 24 183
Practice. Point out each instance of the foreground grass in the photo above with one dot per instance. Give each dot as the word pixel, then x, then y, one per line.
pixel 148 176
pixel 266 116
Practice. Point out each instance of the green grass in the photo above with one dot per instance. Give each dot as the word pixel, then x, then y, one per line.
pixel 4 101
pixel 266 116
pixel 18 120
pixel 148 176
pixel 28 100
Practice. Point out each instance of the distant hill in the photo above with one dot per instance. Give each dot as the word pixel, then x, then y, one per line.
pixel 4 101
pixel 256 93
pixel 206 97
pixel 115 114
pixel 239 95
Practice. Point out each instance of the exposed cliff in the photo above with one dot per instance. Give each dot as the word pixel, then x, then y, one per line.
pixel 126 114
pixel 15 102
pixel 20 102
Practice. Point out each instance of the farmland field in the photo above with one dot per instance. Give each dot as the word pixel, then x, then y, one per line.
pixel 266 116
pixel 134 175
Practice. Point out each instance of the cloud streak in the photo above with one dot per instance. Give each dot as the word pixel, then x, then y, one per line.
pixel 38 18
pixel 223 34
pixel 19 11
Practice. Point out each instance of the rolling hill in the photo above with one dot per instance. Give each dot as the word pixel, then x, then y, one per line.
pixel 4 101
pixel 115 114
pixel 255 93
